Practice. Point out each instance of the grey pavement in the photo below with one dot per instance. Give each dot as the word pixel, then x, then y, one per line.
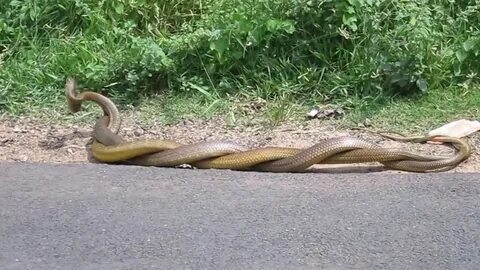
pixel 92 216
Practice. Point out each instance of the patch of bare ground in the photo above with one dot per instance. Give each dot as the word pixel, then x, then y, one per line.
pixel 29 140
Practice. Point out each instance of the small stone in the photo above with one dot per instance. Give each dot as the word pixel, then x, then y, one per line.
pixel 21 158
pixel 185 166
pixel 70 151
pixel 328 111
pixel 153 132
pixel 5 142
pixel 312 113
pixel 139 132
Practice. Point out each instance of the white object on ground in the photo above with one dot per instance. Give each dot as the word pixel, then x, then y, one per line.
pixel 313 113
pixel 458 129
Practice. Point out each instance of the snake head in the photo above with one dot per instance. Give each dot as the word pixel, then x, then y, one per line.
pixel 74 103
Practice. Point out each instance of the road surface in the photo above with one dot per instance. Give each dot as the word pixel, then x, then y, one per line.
pixel 91 216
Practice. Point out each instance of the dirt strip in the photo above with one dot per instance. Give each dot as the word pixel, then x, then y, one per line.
pixel 27 140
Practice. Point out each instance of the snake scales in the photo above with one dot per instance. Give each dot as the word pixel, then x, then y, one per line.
pixel 109 147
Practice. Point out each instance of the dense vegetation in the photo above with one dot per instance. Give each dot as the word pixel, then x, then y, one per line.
pixel 345 51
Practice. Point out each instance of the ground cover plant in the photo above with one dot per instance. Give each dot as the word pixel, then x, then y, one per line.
pixel 416 60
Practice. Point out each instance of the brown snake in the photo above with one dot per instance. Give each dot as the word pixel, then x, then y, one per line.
pixel 111 148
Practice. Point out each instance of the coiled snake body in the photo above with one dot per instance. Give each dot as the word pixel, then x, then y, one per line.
pixel 109 147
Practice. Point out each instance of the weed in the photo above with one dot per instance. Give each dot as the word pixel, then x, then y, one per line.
pixel 351 52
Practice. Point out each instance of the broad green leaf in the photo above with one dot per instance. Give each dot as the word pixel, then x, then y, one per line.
pixel 119 8
pixel 220 46
pixel 350 10
pixel 461 55
pixel 470 44
pixel 422 85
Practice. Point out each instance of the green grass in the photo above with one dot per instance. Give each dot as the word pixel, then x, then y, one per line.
pixel 173 108
pixel 170 109
pixel 410 115
pixel 398 63
pixel 422 114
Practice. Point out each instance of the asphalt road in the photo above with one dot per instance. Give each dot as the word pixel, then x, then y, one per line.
pixel 119 217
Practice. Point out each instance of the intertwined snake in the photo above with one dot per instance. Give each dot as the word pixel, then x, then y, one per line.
pixel 109 147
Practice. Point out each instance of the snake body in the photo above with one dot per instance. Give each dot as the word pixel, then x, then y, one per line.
pixel 109 147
